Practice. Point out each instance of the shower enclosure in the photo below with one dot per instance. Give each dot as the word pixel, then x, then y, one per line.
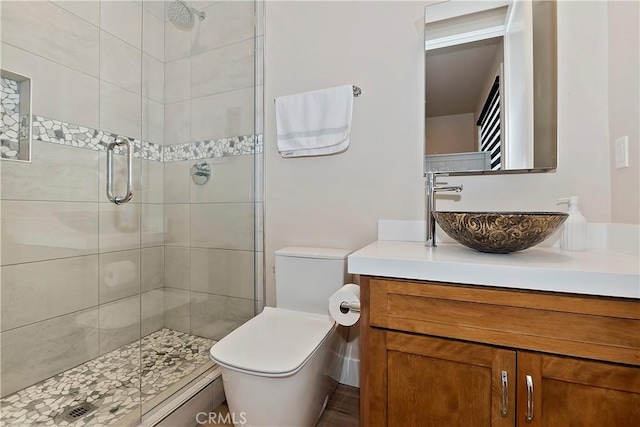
pixel 131 174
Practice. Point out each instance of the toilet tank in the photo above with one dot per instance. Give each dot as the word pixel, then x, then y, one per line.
pixel 307 277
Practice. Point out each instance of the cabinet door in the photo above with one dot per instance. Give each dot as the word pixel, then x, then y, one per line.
pixel 445 383
pixel 564 391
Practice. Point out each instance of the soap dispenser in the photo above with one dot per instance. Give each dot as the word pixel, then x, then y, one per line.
pixel 574 231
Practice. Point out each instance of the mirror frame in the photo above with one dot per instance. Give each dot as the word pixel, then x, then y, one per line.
pixel 545 88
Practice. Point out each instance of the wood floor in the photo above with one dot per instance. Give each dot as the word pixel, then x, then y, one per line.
pixel 343 410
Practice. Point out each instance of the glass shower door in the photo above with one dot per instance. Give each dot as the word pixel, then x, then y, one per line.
pixel 72 262
pixel 209 172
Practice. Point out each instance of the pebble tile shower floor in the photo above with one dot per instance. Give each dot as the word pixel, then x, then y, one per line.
pixel 110 382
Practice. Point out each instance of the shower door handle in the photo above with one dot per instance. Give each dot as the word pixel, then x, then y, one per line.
pixel 119 141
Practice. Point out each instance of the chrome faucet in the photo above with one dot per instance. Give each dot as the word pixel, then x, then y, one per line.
pixel 432 188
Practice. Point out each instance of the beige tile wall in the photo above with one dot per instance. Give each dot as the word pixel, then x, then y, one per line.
pixel 49 31
pixel 221 115
pixel 177 309
pixel 119 323
pixel 120 110
pixel 45 230
pixel 223 69
pixel 152 268
pixel 232 228
pixel 119 275
pixel 209 74
pixel 177 72
pixel 37 351
pixel 151 298
pixel 38 291
pixel 176 224
pixel 152 224
pixel 152 120
pixel 120 63
pixel 177 266
pixel 152 179
pixel 87 10
pixel 176 182
pixel 222 272
pixel 215 316
pixel 229 22
pixel 122 19
pixel 54 81
pixel 209 229
pixel 232 181
pixel 24 181
pixel 152 306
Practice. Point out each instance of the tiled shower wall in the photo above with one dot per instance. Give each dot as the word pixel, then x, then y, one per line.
pixel 80 275
pixel 210 229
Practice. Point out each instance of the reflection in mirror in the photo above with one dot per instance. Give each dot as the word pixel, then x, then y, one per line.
pixel 490 70
pixel 15 116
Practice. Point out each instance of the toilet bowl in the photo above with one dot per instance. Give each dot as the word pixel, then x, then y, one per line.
pixel 275 367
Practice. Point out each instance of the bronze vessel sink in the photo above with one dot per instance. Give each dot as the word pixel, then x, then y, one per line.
pixel 499 232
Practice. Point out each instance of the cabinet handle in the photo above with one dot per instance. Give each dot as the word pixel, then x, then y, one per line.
pixel 505 394
pixel 529 416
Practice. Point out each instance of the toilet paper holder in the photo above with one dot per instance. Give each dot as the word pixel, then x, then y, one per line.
pixel 346 306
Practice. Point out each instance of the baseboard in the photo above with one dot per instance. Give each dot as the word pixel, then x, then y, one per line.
pixel 350 374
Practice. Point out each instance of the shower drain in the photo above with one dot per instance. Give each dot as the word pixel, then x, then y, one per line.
pixel 76 412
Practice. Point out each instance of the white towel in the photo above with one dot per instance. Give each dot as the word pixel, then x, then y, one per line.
pixel 314 123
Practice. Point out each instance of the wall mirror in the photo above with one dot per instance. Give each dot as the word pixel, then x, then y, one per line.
pixel 491 87
pixel 15 116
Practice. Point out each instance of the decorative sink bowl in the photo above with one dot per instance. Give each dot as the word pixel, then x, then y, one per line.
pixel 499 232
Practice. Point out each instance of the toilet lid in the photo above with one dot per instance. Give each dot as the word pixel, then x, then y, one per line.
pixel 277 342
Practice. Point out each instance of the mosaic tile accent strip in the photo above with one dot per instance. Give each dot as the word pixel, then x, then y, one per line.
pixel 111 382
pixel 59 132
pixel 10 125
pixel 223 147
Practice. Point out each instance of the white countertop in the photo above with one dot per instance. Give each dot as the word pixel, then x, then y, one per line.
pixel 592 272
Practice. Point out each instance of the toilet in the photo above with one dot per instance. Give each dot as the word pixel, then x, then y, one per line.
pixel 275 367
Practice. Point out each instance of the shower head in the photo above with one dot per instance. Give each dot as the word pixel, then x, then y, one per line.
pixel 182 15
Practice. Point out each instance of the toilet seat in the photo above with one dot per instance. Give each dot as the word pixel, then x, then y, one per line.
pixel 275 343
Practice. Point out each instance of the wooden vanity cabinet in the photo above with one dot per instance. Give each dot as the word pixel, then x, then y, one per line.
pixel 443 355
pixel 576 392
pixel 435 382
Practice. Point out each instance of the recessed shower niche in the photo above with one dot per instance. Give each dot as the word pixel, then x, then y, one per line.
pixel 15 116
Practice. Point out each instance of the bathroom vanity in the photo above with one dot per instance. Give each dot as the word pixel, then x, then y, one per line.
pixel 453 337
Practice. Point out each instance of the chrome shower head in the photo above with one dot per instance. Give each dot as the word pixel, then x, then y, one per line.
pixel 181 15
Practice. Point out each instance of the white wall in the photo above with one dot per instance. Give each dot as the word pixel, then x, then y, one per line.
pixel 624 107
pixel 336 200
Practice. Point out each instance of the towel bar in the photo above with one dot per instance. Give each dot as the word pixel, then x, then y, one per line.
pixel 356 92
